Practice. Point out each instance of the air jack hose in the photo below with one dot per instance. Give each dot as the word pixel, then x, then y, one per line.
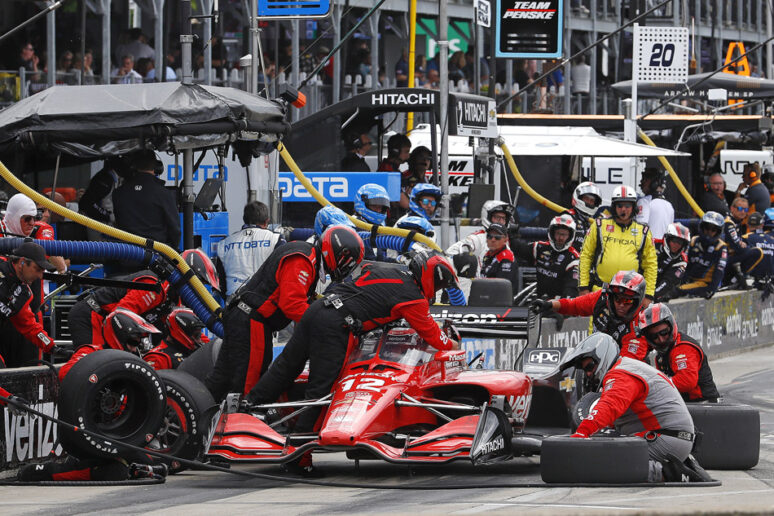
pixel 124 253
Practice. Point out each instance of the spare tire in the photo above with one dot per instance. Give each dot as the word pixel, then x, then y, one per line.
pixel 582 408
pixel 731 435
pixel 184 427
pixel 201 362
pixel 115 394
pixel 599 460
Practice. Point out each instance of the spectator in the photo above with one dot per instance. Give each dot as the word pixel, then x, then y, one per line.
pixel 402 70
pixel 419 75
pixel 672 261
pixel 556 78
pixel 83 63
pixel 433 78
pixel 143 206
pixel 27 58
pixel 457 66
pixel 714 198
pixel 707 257
pixel 64 67
pixel 364 63
pixel 520 75
pixel 171 75
pixel 125 74
pixel 137 46
pixel 581 77
pixel 398 150
pixel 757 194
pixel 357 145
pixel 618 243
pixel 498 259
pixel 652 208
pixel 242 253
pixel 143 67
pixel 266 74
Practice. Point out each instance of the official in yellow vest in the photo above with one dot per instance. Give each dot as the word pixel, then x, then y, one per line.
pixel 618 243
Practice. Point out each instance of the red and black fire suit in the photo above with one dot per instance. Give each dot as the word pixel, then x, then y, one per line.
pixel 671 272
pixel 596 304
pixel 582 225
pixel 279 292
pixel 686 364
pixel 382 293
pixel 167 355
pixel 706 267
pixel 87 314
pixel 497 264
pixel 15 299
pixel 556 271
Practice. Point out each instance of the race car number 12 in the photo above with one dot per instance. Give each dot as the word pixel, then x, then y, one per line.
pixel 365 384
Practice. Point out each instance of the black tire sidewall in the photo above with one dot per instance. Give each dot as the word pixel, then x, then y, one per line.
pixel 82 385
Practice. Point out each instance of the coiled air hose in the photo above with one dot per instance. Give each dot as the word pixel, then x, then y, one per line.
pixel 124 253
pixel 163 249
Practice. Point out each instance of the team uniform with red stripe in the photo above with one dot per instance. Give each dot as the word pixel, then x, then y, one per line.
pixel 380 294
pixel 279 292
pixel 639 400
pixel 687 365
pixel 605 321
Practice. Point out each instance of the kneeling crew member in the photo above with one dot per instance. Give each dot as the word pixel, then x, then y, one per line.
pixel 636 399
pixel 678 356
pixel 276 294
pixel 614 309
pixel 185 337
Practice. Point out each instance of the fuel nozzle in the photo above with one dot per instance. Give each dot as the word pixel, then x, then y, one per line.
pixel 292 96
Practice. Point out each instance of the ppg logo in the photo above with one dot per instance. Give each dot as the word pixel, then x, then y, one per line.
pixel 544 356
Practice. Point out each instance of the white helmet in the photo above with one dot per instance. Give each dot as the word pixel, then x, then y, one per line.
pixel 623 194
pixel 562 221
pixel 491 207
pixel 587 188
pixel 676 231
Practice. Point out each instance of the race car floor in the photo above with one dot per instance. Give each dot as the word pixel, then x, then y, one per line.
pixel 746 378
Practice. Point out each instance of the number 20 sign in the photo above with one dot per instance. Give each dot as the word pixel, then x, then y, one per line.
pixel 661 54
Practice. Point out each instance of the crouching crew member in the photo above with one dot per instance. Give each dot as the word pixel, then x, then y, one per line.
pixel 185 337
pixel 707 258
pixel 636 399
pixel 678 356
pixel 276 294
pixel 614 309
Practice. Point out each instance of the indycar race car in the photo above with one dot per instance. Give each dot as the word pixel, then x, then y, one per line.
pixel 397 400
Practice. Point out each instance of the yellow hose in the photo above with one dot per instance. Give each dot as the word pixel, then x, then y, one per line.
pixel 519 179
pixel 382 230
pixel 159 247
pixel 644 137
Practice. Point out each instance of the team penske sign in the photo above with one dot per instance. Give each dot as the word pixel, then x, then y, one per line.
pixel 529 29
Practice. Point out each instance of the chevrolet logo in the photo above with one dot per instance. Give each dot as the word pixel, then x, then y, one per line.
pixel 567 384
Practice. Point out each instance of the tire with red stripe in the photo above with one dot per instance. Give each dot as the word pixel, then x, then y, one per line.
pixel 115 394
pixel 188 412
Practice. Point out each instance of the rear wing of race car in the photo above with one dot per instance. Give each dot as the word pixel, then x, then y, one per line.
pixel 508 322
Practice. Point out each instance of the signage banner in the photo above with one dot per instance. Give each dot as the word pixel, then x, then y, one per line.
pixel 337 186
pixel 283 9
pixel 472 116
pixel 528 30
pixel 661 54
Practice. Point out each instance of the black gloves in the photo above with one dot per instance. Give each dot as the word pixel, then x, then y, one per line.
pixel 541 306
pixel 466 265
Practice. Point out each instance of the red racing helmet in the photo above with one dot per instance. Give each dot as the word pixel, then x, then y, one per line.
pixel 185 327
pixel 342 250
pixel 626 285
pixel 202 266
pixel 653 315
pixel 432 272
pixel 126 331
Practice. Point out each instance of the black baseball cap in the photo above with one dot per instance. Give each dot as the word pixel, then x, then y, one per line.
pixel 34 252
pixel 755 219
pixel 497 229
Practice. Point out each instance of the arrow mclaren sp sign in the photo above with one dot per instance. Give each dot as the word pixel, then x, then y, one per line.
pixel 472 116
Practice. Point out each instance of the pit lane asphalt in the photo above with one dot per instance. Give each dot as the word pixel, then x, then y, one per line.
pixel 745 378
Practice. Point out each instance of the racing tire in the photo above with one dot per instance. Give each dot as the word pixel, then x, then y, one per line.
pixel 201 362
pixel 582 408
pixel 188 411
pixel 731 435
pixel 600 460
pixel 115 394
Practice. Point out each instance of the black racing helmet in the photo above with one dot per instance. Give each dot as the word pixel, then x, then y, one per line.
pixel 126 331
pixel 342 250
pixel 185 328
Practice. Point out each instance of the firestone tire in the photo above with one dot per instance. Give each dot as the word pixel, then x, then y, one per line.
pixel 201 362
pixel 184 427
pixel 582 408
pixel 732 435
pixel 600 460
pixel 115 394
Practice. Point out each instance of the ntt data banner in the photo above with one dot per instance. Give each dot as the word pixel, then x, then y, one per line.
pixel 529 29
pixel 336 186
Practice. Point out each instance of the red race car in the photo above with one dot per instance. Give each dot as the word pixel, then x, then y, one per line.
pixel 398 400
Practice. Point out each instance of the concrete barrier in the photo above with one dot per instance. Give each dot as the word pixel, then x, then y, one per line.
pixel 728 323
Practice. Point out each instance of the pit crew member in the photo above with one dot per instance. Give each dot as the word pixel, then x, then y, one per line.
pixel 586 200
pixel 614 309
pixel 618 243
pixel 423 201
pixel 279 292
pixel 475 244
pixel 372 205
pixel 636 399
pixel 184 337
pixel 498 260
pixel 678 356
pixel 707 257
pixel 672 260
pixel 652 209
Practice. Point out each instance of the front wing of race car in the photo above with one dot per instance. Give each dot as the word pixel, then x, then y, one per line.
pixel 238 437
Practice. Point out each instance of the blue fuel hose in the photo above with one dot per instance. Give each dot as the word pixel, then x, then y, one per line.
pixel 125 253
